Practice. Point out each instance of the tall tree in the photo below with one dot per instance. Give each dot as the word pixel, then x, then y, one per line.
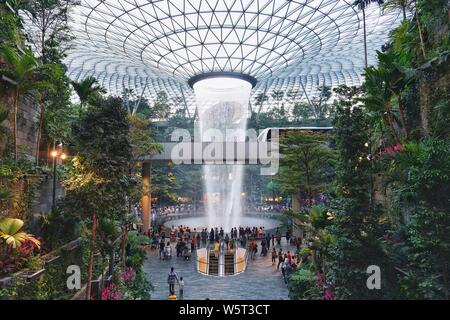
pixel 305 161
pixel 98 185
pixel 320 103
pixel 355 227
pixel 362 5
pixel 87 90
pixel 403 5
pixel 161 106
pixel 49 27
pixel 23 71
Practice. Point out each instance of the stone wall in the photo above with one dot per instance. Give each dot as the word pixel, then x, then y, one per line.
pixel 27 123
pixel 27 134
pixel 44 192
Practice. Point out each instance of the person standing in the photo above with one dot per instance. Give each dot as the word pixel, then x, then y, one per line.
pixel 198 240
pixel 193 243
pixel 171 279
pixel 161 248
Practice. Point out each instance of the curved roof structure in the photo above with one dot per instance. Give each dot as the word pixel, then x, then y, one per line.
pixel 291 46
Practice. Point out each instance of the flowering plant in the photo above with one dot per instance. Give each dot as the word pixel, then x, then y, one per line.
pixel 111 292
pixel 15 258
pixel 127 276
pixel 324 287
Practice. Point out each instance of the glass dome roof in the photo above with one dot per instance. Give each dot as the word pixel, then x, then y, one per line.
pixel 289 46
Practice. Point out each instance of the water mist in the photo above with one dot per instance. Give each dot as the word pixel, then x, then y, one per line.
pixel 223 110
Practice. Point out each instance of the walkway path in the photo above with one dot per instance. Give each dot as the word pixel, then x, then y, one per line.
pixel 261 280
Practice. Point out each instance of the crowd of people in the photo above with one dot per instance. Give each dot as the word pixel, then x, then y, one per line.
pixel 164 211
pixel 167 210
pixel 182 241
pixel 267 208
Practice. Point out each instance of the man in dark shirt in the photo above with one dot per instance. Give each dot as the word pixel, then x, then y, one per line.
pixel 161 248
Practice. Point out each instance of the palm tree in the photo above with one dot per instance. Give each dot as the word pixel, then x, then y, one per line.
pixel 403 5
pixel 362 5
pixel 22 71
pixel 87 89
pixel 407 5
pixel 384 83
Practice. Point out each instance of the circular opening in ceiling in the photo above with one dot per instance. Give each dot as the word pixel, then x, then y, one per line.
pixel 222 80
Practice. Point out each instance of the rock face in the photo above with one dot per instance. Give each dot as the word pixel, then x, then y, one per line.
pixel 27 122
pixel 27 134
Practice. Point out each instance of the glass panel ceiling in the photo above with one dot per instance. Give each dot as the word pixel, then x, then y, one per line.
pixel 286 45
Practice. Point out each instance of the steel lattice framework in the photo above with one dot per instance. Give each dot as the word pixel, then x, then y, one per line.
pixel 288 46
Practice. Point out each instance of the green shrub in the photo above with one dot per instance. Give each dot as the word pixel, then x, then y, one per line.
pixel 302 285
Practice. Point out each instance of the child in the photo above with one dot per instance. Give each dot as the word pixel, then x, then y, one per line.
pixel 274 256
pixel 181 284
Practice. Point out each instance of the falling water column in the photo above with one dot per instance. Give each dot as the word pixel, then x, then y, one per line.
pixel 223 111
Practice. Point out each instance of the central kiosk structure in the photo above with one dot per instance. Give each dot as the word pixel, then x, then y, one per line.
pixel 218 262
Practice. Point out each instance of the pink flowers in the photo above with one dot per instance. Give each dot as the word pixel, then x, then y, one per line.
pixel 14 259
pixel 127 276
pixel 323 286
pixel 328 295
pixel 111 292
pixel 387 237
pixel 392 150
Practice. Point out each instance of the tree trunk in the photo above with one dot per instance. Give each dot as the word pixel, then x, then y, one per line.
pixel 39 135
pixel 402 117
pixel 365 39
pixel 16 109
pixel 91 256
pixel 122 249
pixel 424 93
pixel 391 126
pixel 422 43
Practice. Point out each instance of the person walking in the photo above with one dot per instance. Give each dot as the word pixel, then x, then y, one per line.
pixel 264 250
pixel 280 258
pixel 181 291
pixel 172 277
pixel 274 255
pixel 284 267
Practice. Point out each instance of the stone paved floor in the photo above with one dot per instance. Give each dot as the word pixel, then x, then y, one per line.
pixel 261 280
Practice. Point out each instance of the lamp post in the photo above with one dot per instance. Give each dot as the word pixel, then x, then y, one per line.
pixel 55 155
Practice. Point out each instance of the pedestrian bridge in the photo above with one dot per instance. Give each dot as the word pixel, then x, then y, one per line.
pixel 262 150
pixel 216 153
